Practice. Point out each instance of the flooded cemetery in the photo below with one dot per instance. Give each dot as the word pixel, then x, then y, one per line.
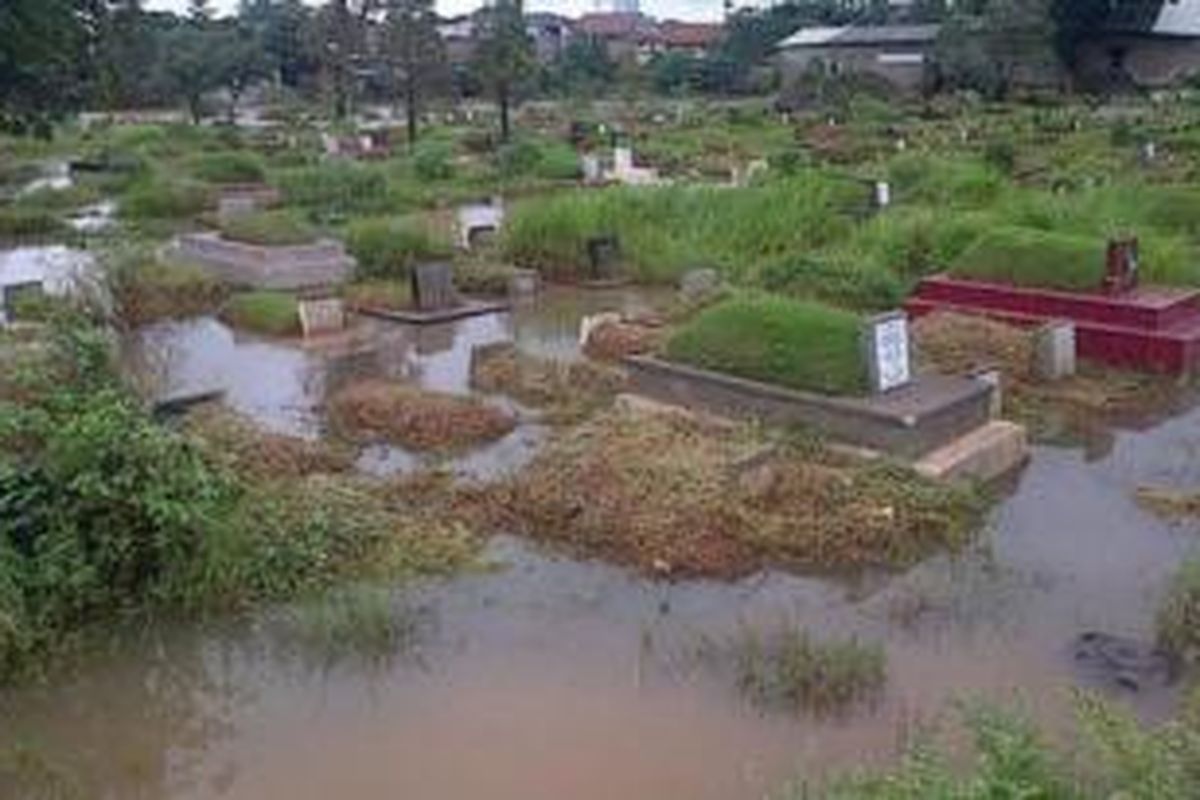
pixel 671 448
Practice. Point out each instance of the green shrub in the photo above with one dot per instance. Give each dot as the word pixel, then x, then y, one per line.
pixel 558 162
pixel 550 161
pixel 336 189
pixel 1029 257
pixel 272 313
pixel 269 228
pixel 163 198
pixel 389 247
pixel 227 167
pixel 433 160
pixel 777 340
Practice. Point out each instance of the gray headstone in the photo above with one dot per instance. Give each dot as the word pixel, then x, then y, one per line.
pixel 604 257
pixel 524 282
pixel 887 352
pixel 1054 350
pixel 433 286
pixel 325 315
pixel 991 376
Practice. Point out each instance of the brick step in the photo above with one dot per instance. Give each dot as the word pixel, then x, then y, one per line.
pixel 1174 350
pixel 1149 308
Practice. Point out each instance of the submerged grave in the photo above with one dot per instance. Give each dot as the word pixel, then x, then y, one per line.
pixel 435 298
pixel 791 363
pixel 1117 321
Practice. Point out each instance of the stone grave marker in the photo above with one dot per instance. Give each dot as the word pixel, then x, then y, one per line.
pixel 887 351
pixel 604 256
pixel 524 283
pixel 1122 265
pixel 322 315
pixel 883 194
pixel 593 169
pixel 433 286
pixel 14 295
pixel 696 284
pixel 478 223
pixel 1054 350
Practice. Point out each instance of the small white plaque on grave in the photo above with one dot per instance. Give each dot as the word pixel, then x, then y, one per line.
pixel 887 351
pixel 326 315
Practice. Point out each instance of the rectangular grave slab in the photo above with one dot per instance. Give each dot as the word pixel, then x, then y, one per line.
pixel 927 413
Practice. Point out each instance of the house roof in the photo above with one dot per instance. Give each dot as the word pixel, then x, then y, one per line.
pixel 689 34
pixel 1155 17
pixel 861 35
pixel 612 24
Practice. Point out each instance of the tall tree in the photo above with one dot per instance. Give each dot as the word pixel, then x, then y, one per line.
pixel 505 56
pixel 45 52
pixel 415 53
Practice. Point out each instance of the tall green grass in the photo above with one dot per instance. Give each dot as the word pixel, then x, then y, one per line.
pixel 1030 257
pixel 664 231
pixel 388 247
pixel 774 339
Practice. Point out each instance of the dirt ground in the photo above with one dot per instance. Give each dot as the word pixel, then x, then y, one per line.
pixel 565 390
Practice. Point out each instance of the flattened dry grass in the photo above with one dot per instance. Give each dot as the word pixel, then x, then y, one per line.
pixel 415 418
pixel 260 454
pixel 675 495
pixel 959 343
pixel 566 390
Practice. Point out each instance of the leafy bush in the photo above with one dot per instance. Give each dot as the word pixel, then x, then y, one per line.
pixel 272 313
pixel 778 340
pixel 163 198
pixel 433 161
pixel 389 247
pixel 550 161
pixel 269 228
pixel 227 167
pixel 1029 257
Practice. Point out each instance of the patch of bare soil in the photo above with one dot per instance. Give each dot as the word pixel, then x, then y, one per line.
pixel 676 496
pixel 566 390
pixel 415 418
pixel 958 343
pixel 262 454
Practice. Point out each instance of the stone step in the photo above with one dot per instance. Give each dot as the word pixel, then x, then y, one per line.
pixel 989 452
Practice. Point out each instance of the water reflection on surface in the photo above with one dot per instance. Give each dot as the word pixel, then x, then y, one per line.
pixel 551 677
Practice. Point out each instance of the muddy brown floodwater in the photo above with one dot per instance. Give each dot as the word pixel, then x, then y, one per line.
pixel 550 677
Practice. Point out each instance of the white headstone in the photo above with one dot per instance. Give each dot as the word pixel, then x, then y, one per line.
pixel 887 351
pixel 326 315
pixel 883 194
pixel 1054 350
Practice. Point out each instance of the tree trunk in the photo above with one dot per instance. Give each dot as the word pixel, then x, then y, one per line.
pixel 502 97
pixel 410 109
pixel 194 108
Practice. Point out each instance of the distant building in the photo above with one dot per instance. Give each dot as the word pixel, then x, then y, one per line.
pixel 900 54
pixel 459 39
pixel 623 34
pixel 1147 43
pixel 692 38
pixel 550 34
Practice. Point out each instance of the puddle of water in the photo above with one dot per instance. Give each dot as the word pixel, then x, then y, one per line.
pixel 59 270
pixel 283 385
pixel 560 678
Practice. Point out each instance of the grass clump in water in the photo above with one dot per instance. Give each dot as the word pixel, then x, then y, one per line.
pixel 145 289
pixel 1178 620
pixel 794 343
pixel 269 229
pixel 272 313
pixel 1035 258
pixel 361 621
pixel 787 668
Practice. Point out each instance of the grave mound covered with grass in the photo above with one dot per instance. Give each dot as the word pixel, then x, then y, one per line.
pixel 269 229
pixel 1034 258
pixel 272 313
pixel 794 343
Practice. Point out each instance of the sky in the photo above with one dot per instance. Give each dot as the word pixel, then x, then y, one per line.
pixel 663 9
